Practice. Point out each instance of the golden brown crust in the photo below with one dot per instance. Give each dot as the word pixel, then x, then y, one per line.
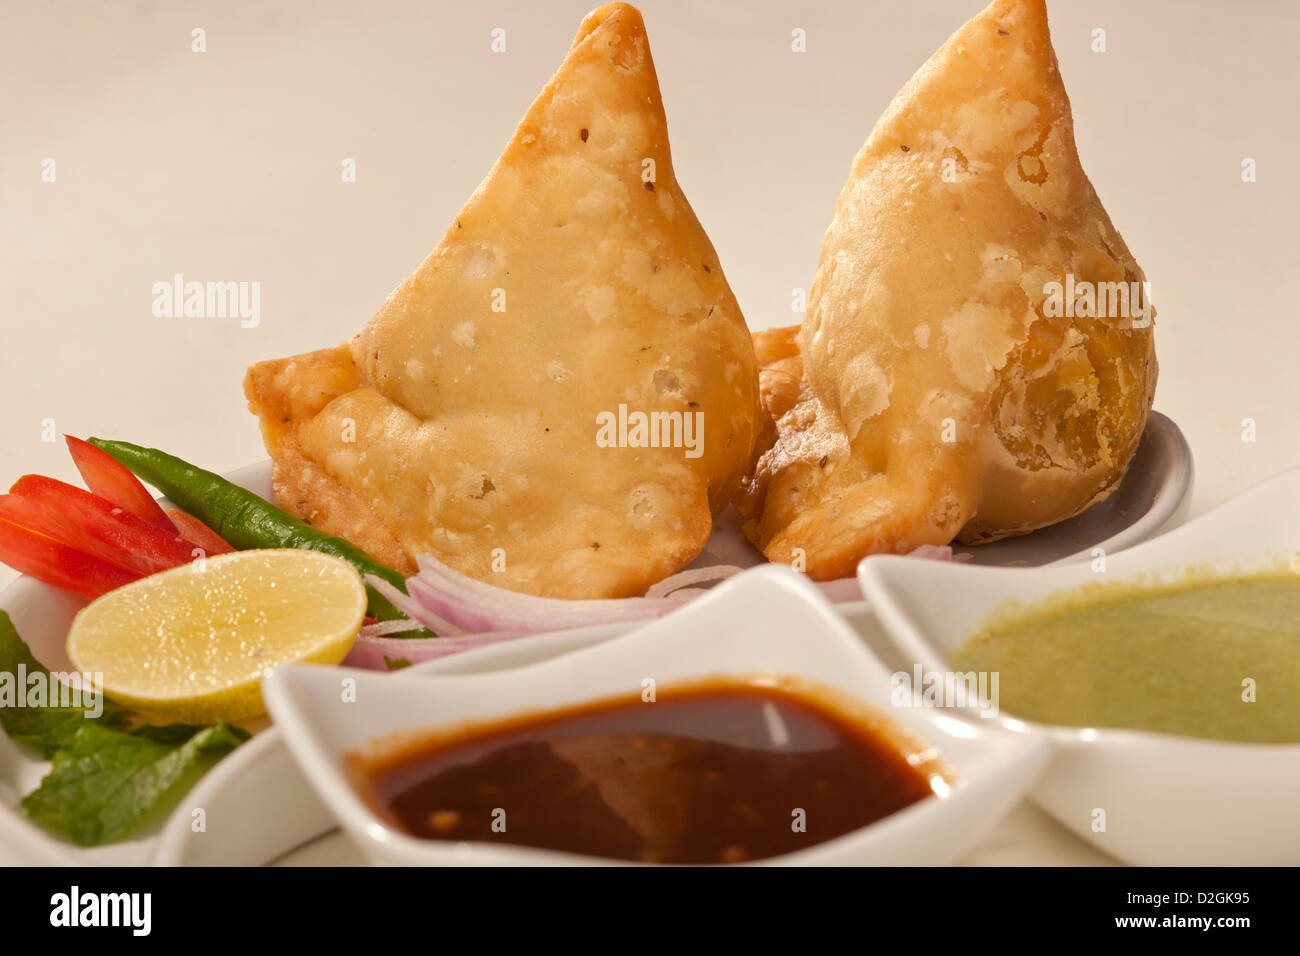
pixel 946 397
pixel 574 282
pixel 283 392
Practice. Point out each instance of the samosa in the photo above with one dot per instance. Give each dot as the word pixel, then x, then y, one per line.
pixel 469 419
pixel 977 358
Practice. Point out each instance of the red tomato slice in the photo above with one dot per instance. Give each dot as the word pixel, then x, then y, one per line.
pixel 110 479
pixel 108 522
pixel 58 564
pixel 44 520
pixel 197 533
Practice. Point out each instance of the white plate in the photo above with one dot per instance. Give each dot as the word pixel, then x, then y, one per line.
pixel 1155 492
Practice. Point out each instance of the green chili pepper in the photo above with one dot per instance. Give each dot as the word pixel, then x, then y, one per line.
pixel 246 520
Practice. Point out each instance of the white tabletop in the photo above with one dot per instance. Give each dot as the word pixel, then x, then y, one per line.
pixel 225 165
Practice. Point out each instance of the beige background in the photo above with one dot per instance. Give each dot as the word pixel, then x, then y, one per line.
pixel 225 166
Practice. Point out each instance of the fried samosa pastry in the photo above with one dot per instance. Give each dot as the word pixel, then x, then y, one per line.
pixel 941 385
pixel 559 398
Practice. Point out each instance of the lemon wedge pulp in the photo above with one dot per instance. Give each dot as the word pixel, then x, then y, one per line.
pixel 191 644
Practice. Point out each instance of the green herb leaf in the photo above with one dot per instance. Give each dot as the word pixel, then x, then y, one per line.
pixel 43 728
pixel 396 663
pixel 108 776
pixel 105 782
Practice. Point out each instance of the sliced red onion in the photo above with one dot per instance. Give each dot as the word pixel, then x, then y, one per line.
pixel 467 613
pixel 476 606
pixel 384 628
pixel 841 590
pixel 939 552
pixel 684 579
pixel 412 608
pixel 379 653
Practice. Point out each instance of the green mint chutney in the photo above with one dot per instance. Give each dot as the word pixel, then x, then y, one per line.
pixel 1171 658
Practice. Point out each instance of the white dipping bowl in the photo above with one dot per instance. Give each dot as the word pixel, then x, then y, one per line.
pixel 1168 800
pixel 769 620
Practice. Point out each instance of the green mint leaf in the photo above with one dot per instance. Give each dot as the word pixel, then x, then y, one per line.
pixel 42 727
pixel 105 782
pixel 108 774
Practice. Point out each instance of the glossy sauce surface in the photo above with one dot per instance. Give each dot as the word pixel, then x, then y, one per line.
pixel 713 774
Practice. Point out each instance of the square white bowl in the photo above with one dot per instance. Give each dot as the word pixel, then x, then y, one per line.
pixel 767 621
pixel 1168 799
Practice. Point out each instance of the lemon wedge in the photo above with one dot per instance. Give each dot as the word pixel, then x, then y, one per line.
pixel 191 644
